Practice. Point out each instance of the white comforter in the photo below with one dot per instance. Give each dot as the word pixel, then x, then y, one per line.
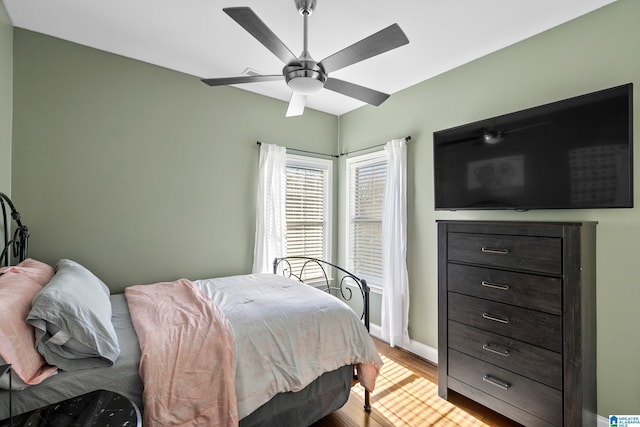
pixel 286 335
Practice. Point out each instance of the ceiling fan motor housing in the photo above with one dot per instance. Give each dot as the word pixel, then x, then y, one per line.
pixel 306 78
pixel 306 6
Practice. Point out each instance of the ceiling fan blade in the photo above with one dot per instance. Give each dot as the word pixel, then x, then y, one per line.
pixel 353 90
pixel 380 42
pixel 223 81
pixel 258 29
pixel 296 104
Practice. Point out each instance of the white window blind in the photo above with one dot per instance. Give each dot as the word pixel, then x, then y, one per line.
pixel 307 211
pixel 367 176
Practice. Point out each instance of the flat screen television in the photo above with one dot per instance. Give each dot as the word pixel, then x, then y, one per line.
pixel 576 153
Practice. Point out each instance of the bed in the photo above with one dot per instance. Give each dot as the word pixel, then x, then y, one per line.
pixel 248 350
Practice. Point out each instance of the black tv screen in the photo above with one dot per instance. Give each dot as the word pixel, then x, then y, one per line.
pixel 575 153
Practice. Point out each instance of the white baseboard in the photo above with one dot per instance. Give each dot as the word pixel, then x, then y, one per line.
pixel 415 347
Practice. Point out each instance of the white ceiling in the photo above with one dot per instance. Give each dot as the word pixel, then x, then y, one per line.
pixel 196 37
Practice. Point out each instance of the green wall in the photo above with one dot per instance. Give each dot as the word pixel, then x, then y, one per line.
pixel 140 173
pixel 6 99
pixel 594 52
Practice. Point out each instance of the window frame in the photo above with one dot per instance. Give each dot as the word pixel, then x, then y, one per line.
pixel 375 283
pixel 326 165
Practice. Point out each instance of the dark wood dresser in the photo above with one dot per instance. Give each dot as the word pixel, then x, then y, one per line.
pixel 517 318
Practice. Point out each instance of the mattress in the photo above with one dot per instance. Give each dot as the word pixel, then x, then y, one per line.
pixel 326 394
pixel 302 407
pixel 286 334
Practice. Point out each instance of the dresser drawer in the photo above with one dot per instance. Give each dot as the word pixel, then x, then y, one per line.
pixel 525 290
pixel 526 253
pixel 533 362
pixel 528 395
pixel 533 327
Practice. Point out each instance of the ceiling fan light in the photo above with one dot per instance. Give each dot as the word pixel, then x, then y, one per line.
pixel 491 137
pixel 305 85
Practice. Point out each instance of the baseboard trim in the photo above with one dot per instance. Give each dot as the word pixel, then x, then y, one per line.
pixel 415 347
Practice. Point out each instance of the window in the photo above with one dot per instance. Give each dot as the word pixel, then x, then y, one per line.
pixel 308 211
pixel 366 177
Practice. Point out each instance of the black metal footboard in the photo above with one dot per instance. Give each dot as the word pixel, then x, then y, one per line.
pixel 307 269
pixel 16 247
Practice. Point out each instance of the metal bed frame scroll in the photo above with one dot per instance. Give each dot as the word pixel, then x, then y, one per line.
pixel 20 246
pixel 344 278
pixel 19 243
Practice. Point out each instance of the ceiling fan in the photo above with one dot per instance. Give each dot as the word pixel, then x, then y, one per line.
pixel 303 74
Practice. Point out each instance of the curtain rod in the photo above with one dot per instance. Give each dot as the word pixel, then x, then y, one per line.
pixel 305 151
pixel 406 138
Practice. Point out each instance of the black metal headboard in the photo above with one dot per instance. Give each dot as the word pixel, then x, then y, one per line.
pixel 295 266
pixel 17 246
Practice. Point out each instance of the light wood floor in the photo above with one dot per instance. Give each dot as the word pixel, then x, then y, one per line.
pixel 407 395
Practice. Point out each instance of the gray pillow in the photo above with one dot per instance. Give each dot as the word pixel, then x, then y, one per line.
pixel 72 320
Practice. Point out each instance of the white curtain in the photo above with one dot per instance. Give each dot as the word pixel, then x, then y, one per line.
pixel 395 288
pixel 270 211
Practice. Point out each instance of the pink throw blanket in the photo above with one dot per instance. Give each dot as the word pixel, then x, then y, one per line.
pixel 187 356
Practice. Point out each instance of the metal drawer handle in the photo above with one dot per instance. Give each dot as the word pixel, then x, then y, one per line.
pixel 500 286
pixel 490 347
pixel 498 383
pixel 495 318
pixel 495 251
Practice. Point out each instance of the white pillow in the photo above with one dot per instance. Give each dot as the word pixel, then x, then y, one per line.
pixel 72 320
